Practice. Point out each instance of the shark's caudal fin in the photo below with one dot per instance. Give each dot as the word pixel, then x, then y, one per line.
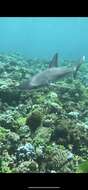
pixel 78 66
pixel 54 61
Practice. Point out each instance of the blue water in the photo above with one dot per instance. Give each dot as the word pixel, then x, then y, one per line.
pixel 43 36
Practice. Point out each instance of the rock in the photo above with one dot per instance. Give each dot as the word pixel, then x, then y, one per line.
pixel 34 120
pixel 60 135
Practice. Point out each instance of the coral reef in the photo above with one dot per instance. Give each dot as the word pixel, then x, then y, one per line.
pixel 45 129
pixel 25 152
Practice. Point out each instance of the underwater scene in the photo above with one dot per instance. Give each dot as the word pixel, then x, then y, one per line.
pixel 43 95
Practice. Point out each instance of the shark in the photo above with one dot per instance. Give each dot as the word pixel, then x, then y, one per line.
pixel 51 74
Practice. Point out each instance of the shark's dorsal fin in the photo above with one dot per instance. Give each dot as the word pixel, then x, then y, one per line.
pixel 78 66
pixel 54 61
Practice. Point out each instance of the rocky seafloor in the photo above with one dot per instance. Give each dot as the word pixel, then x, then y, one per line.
pixel 43 130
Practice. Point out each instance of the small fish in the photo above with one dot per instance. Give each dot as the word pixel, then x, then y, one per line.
pixel 50 75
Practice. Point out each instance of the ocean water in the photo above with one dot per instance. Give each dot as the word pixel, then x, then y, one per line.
pixel 43 36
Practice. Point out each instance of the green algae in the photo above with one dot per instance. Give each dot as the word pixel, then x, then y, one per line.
pixel 21 121
pixel 42 136
pixel 3 133
pixel 83 167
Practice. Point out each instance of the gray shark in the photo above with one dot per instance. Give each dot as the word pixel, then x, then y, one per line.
pixel 51 74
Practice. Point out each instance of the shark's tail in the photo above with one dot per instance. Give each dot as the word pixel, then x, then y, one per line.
pixel 76 68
